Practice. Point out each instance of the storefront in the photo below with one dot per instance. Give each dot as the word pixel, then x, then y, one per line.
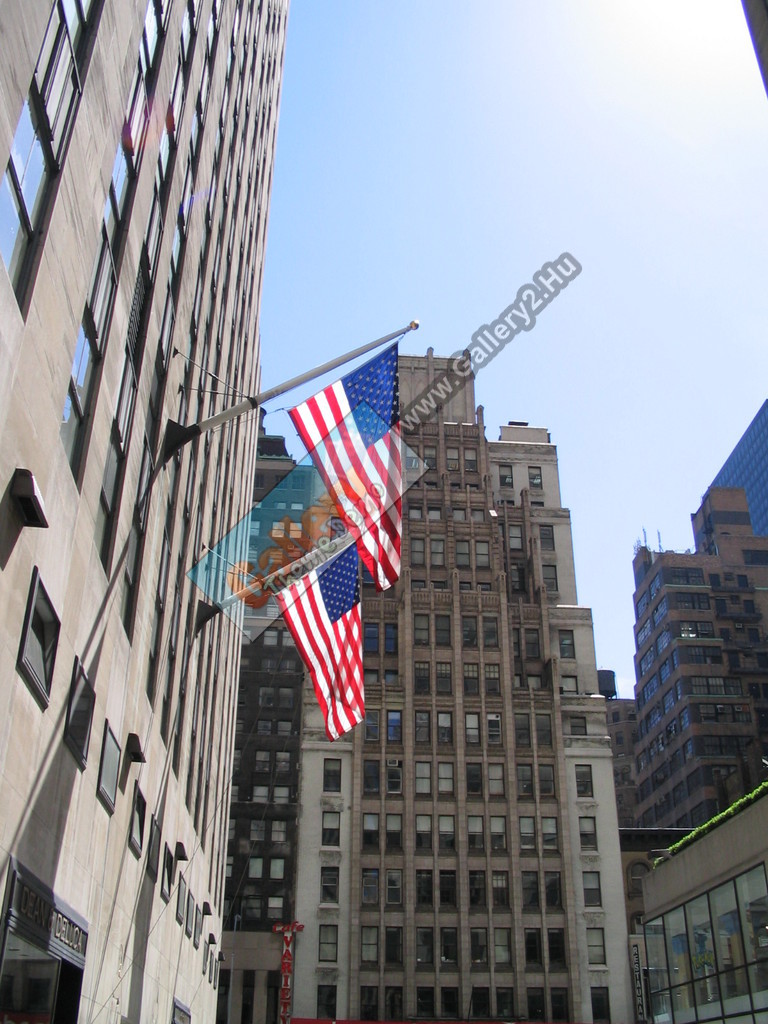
pixel 44 945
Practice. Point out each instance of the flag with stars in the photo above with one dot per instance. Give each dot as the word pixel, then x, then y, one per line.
pixel 352 431
pixel 322 612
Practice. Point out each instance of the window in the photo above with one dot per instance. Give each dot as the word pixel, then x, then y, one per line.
pixel 393 945
pixel 326 1001
pixel 462 554
pixel 371 725
pixel 138 815
pixel 423 888
pixel 425 998
pixel 595 945
pixel 329 884
pixel 493 725
pixel 515 537
pixel 482 554
pixel 423 778
pixel 421 629
pixel 549 834
pixel 478 945
pixel 443 630
pixel 522 729
pixel 394 727
pixel 532 649
pixel 331 828
pixel 527 833
pixel 425 946
pixel 328 943
pixel 601 1011
pixel 437 551
pixel 471 680
pixel 332 775
pixel 498 832
pixel 474 772
pixel 469 630
pixel 475 837
pixel 421 677
pixel 477 888
pixel 109 770
pixel 371 637
pixel 370 886
pixel 525 781
pixel 546 780
pixel 578 724
pixel 449 946
pixel 490 631
pixel 422 732
pixel 390 638
pixel 369 944
pixel 530 884
pixel 443 677
pixel 470 460
pixel 496 780
pixel 394 777
pixel 567 646
pixel 370 777
pixel 552 890
pixel 444 727
pixel 533 947
pixel 500 888
pixel 549 577
pixel 556 948
pixel 423 831
pixel 592 894
pixel 39 641
pixel 584 780
pixel 77 730
pixel 587 833
pixel 534 478
pixel 394 838
pixel 446 827
pixel 472 727
pixel 502 947
pixel 447 888
pixel 492 680
pixel 370 831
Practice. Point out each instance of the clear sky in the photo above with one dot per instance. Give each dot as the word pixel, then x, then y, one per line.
pixel 432 154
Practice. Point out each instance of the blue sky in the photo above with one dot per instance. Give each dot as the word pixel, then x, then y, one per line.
pixel 432 155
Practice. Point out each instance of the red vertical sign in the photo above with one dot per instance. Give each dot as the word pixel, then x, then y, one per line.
pixel 286 967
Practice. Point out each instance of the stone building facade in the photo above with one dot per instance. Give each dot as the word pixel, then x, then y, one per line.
pixel 470 830
pixel 136 144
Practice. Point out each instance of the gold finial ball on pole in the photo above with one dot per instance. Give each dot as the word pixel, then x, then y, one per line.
pixel 414 325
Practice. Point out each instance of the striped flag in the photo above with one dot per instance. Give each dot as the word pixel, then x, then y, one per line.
pixel 352 431
pixel 322 612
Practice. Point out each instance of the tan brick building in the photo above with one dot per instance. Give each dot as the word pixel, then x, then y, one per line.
pixel 475 842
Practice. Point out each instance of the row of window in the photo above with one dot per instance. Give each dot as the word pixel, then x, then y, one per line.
pixel 537 1006
pixel 444 721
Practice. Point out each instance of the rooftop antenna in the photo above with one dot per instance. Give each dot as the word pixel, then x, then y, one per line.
pixel 645 538
pixel 658 534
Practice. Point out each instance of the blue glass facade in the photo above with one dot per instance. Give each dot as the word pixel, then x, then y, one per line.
pixel 747 467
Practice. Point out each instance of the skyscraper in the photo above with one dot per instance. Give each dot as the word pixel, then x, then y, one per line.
pixel 136 146
pixel 747 467
pixel 468 826
pixel 702 667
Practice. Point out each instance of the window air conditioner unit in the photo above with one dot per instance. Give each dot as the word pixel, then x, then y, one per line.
pixel 392 762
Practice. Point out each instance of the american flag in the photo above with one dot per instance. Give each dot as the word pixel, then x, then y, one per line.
pixel 352 432
pixel 322 612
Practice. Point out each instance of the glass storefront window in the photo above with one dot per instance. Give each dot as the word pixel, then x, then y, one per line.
pixel 677 947
pixel 727 929
pixel 658 978
pixel 28 980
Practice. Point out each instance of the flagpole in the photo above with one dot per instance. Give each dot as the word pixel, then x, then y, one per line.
pixel 177 435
